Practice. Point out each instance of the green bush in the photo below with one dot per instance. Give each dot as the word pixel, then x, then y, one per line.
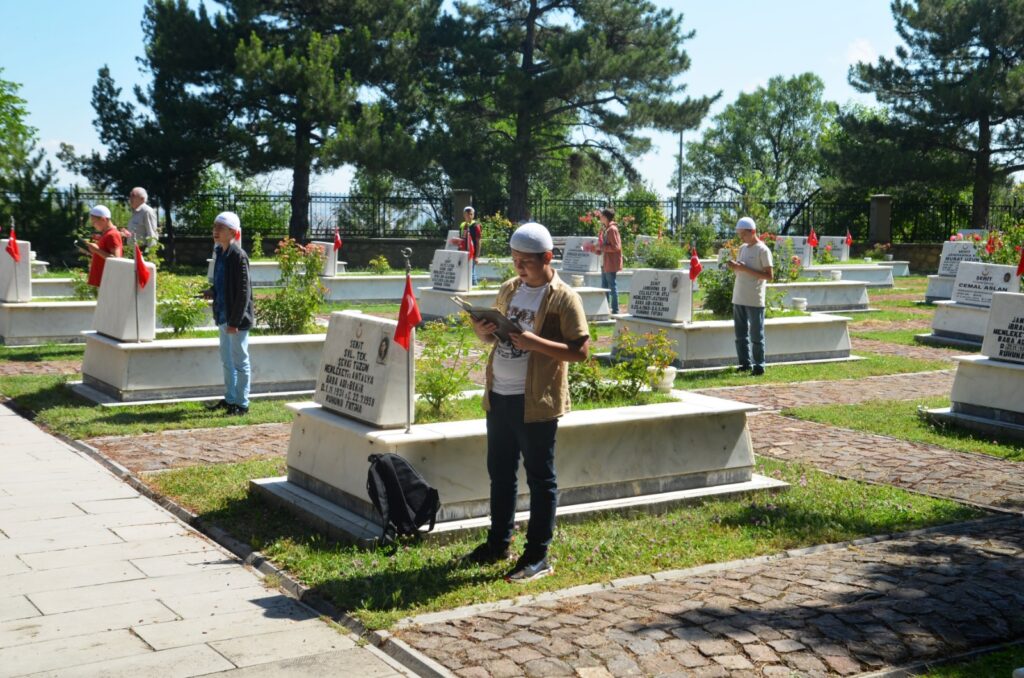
pixel 663 254
pixel 443 367
pixel 634 354
pixel 292 308
pixel 81 289
pixel 495 232
pixel 717 286
pixel 379 265
pixel 786 265
pixel 699 233
pixel 180 305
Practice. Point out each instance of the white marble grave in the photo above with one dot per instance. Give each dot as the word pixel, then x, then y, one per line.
pixel 451 241
pixel 840 250
pixel 940 286
pixel 874 275
pixel 15 277
pixel 118 299
pixel 661 295
pixel 330 258
pixel 961 320
pixel 579 255
pixel 450 271
pixel 976 282
pixel 988 389
pixel 363 373
pixel 800 248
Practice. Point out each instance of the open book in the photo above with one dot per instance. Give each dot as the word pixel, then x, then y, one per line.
pixel 491 314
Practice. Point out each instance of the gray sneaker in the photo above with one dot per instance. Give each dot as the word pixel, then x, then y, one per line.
pixel 526 571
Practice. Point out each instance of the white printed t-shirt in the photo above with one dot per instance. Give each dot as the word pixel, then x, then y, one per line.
pixel 748 290
pixel 509 367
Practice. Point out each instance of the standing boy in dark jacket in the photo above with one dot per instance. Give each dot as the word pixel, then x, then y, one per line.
pixel 232 311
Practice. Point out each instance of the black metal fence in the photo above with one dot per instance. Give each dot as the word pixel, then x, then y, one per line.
pixel 935 222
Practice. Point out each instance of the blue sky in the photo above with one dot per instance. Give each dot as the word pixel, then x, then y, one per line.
pixel 54 48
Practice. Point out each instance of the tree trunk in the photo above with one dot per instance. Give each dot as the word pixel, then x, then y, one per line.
pixel 298 225
pixel 519 168
pixel 518 186
pixel 982 176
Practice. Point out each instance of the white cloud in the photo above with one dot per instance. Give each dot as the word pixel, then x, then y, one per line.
pixel 860 49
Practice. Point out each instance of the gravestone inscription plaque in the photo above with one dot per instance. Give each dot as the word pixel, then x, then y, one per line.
pixel 976 282
pixel 580 256
pixel 953 253
pixel 840 250
pixel 660 295
pixel 450 271
pixel 1004 336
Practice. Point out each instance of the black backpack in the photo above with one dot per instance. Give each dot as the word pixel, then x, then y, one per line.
pixel 401 496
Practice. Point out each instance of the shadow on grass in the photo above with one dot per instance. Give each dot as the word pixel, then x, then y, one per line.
pixel 43 353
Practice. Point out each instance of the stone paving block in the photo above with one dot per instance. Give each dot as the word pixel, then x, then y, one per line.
pixel 253 598
pixel 144 532
pixel 34 513
pixel 353 662
pixel 52 602
pixel 28 583
pixel 16 607
pixel 159 566
pixel 58 526
pixel 180 662
pixel 125 505
pixel 83 622
pixel 227 626
pixel 288 644
pixel 57 543
pixel 54 496
pixel 12 565
pixel 68 652
pixel 86 556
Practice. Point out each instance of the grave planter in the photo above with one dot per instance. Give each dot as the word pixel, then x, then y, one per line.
pixel 961 321
pixel 827 295
pixel 52 287
pixel 873 275
pixel 369 288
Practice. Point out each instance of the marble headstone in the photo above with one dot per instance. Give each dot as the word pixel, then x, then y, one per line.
pixel 452 236
pixel 1004 337
pixel 579 255
pixel 330 258
pixel 15 277
pixel 953 253
pixel 840 250
pixel 969 233
pixel 450 271
pixel 976 282
pixel 363 373
pixel 800 248
pixel 116 304
pixel 660 295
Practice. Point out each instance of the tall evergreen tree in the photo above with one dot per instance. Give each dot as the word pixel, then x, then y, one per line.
pixel 957 88
pixel 532 79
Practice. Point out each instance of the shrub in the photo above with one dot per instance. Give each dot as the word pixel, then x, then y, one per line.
pixel 701 234
pixel 379 265
pixel 257 246
pixel 180 306
pixel 495 232
pixel 81 289
pixel 717 286
pixel 585 382
pixel 879 250
pixel 663 254
pixel 825 256
pixel 1002 247
pixel 292 308
pixel 443 367
pixel 634 354
pixel 786 265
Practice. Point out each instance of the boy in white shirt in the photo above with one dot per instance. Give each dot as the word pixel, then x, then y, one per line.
pixel 753 269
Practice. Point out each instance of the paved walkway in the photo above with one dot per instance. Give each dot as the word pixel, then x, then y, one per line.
pixel 838 612
pixel 98 581
pixel 977 479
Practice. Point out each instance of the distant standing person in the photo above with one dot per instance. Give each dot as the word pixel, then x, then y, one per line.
pixel 106 243
pixel 609 246
pixel 142 227
pixel 527 390
pixel 232 311
pixel 470 230
pixel 753 269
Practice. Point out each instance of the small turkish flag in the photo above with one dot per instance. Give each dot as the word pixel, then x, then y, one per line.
pixel 812 239
pixel 408 316
pixel 695 267
pixel 1020 264
pixel 337 240
pixel 141 272
pixel 12 245
pixel 469 246
pixel 849 238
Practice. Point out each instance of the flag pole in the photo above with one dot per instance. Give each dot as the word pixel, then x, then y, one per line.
pixel 17 285
pixel 407 253
pixel 135 285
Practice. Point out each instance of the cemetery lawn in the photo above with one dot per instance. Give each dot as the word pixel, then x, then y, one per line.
pixel 873 364
pixel 379 587
pixel 41 353
pixel 904 337
pixel 995 665
pixel 899 419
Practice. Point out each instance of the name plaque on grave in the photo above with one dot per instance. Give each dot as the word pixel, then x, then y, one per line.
pixel 579 255
pixel 840 250
pixel 450 271
pixel 448 241
pixel 953 253
pixel 660 295
pixel 1004 337
pixel 976 282
pixel 330 258
pixel 363 373
pixel 124 312
pixel 799 246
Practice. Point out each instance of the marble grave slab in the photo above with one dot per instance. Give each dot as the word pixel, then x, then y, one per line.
pixel 1004 336
pixel 579 255
pixel 15 277
pixel 118 300
pixel 976 282
pixel 661 295
pixel 955 252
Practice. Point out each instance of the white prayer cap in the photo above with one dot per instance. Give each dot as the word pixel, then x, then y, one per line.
pixel 531 238
pixel 229 219
pixel 746 224
pixel 99 211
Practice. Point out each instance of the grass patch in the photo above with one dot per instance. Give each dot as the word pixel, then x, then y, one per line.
pixel 899 419
pixel 381 586
pixel 872 365
pixel 888 315
pixel 904 337
pixel 41 353
pixel 995 665
pixel 60 410
pixel 331 306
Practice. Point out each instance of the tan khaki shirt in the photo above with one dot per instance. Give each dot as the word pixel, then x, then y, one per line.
pixel 560 318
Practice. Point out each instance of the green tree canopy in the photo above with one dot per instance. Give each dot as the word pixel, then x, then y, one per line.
pixel 15 134
pixel 954 92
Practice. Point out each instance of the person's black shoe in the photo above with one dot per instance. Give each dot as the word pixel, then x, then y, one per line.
pixel 219 405
pixel 485 554
pixel 743 368
pixel 757 371
pixel 529 567
pixel 237 410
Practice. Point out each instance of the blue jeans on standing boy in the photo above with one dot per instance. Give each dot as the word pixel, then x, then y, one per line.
pixel 749 320
pixel 508 437
pixel 234 355
pixel 608 282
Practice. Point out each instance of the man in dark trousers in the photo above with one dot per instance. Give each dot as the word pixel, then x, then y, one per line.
pixel 232 311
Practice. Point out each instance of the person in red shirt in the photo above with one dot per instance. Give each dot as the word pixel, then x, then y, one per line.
pixel 609 246
pixel 106 243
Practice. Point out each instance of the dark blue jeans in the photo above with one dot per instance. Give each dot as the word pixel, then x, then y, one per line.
pixel 508 437
pixel 749 320
pixel 609 283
